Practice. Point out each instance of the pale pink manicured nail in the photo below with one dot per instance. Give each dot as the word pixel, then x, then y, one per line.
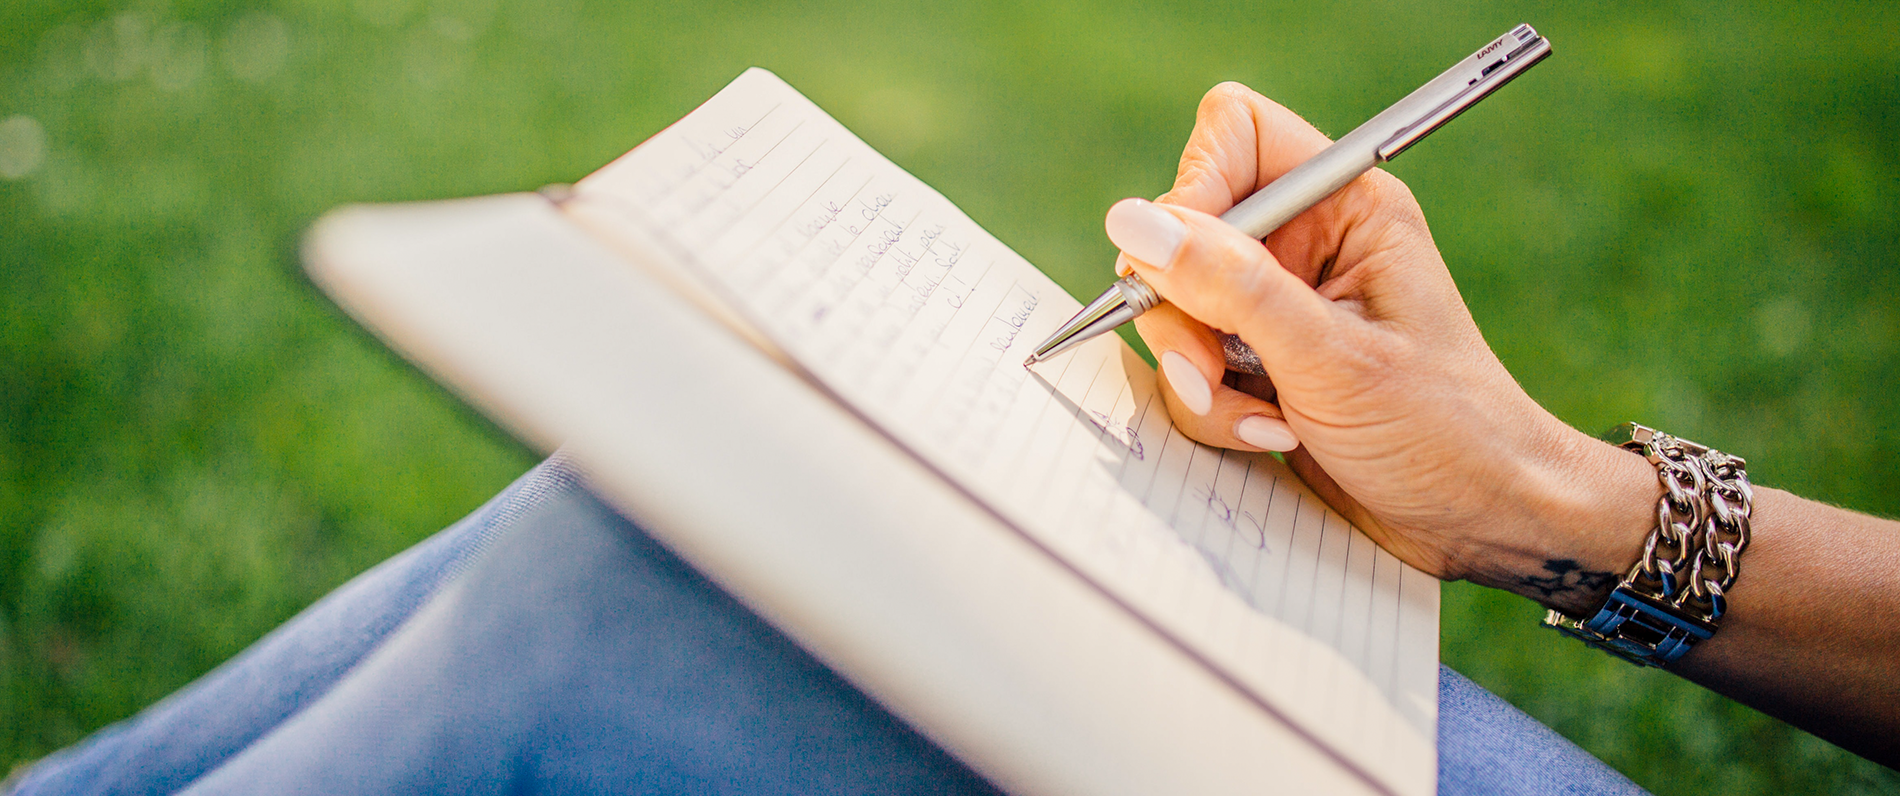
pixel 1145 232
pixel 1188 383
pixel 1122 268
pixel 1267 433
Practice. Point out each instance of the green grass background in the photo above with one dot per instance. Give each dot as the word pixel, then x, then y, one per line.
pixel 1686 217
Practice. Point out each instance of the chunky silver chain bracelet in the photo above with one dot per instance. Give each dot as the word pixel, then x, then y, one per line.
pixel 1675 594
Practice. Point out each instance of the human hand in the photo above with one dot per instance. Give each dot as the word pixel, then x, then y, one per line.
pixel 1405 421
pixel 1408 424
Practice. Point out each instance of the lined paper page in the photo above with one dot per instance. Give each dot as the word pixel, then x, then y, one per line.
pixel 893 299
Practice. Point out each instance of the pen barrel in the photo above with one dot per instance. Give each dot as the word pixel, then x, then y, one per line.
pixel 1306 185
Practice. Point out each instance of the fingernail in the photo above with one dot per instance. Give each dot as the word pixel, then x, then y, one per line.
pixel 1146 232
pixel 1267 433
pixel 1188 383
pixel 1122 268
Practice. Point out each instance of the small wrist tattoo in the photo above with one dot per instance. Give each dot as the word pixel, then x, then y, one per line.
pixel 1566 577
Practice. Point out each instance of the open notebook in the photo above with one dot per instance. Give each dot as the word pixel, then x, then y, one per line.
pixel 757 242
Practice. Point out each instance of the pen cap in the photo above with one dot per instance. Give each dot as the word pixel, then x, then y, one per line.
pixel 1472 79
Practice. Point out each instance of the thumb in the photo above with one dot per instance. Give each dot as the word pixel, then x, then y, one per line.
pixel 1220 277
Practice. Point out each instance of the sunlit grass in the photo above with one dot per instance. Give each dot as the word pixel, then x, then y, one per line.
pixel 1684 217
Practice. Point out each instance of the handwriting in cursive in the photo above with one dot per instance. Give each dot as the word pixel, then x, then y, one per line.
pixel 1014 321
pixel 869 210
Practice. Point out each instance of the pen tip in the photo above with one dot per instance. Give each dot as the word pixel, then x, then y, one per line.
pixel 1030 361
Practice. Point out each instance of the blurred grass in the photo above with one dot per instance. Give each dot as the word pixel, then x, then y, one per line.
pixel 1685 217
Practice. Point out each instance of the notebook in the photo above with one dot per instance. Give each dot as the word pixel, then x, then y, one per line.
pixel 801 368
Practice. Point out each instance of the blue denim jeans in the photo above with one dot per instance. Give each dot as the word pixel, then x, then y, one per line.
pixel 545 644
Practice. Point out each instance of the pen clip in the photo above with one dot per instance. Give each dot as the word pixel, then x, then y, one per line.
pixel 1485 71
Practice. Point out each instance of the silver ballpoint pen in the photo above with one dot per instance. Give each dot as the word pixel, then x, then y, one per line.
pixel 1379 140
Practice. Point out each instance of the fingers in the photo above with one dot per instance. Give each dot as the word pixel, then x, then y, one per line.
pixel 1202 406
pixel 1241 142
pixel 1278 296
pixel 1222 278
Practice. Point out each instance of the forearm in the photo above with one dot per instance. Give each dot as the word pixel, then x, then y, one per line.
pixel 1812 633
pixel 1813 630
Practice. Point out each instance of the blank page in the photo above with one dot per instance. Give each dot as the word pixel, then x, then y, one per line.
pixel 765 209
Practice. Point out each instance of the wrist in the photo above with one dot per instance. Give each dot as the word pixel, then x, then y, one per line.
pixel 1585 508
